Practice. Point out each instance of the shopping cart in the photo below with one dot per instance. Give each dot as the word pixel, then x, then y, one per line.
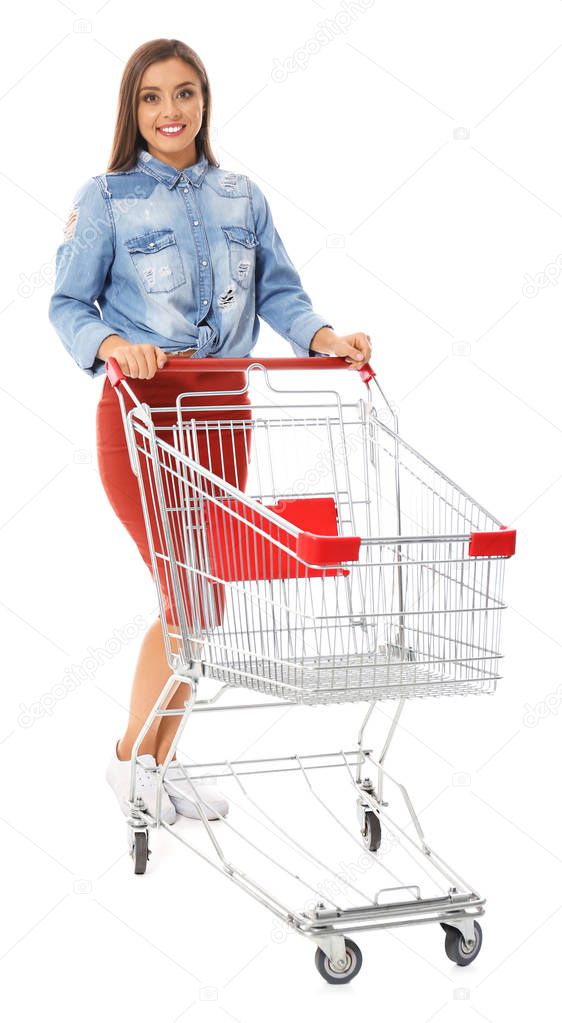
pixel 347 569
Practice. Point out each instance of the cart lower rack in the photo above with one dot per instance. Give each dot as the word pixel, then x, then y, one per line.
pixel 302 549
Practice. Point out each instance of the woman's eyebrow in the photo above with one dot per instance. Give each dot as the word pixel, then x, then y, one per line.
pixel 156 88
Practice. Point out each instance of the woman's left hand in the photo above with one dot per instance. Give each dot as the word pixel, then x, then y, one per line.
pixel 354 348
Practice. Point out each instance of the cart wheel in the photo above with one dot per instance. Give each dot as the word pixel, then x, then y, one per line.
pixel 354 960
pixel 457 949
pixel 140 851
pixel 372 834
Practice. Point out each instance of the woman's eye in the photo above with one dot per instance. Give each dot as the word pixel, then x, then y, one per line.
pixel 152 95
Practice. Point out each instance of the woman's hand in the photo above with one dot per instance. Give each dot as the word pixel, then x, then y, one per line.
pixel 139 361
pixel 354 348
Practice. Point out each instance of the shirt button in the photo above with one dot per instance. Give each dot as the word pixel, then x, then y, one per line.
pixel 195 223
pixel 151 245
pixel 205 301
pixel 203 262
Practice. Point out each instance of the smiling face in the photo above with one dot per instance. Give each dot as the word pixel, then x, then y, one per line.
pixel 170 111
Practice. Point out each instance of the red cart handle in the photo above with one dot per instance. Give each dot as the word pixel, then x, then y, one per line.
pixel 367 373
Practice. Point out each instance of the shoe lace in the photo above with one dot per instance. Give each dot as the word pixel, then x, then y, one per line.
pixel 146 775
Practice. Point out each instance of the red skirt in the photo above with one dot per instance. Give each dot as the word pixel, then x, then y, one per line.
pixel 224 452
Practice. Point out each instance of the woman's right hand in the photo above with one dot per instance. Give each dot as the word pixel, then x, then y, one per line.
pixel 138 361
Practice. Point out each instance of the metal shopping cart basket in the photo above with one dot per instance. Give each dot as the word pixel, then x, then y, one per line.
pixel 346 569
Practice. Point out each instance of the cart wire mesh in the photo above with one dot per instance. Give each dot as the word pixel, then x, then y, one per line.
pixel 269 594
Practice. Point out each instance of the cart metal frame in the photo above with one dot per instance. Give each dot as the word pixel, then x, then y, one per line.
pixel 457 905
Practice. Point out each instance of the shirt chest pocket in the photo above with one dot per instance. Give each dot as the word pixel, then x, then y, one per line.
pixel 242 243
pixel 157 260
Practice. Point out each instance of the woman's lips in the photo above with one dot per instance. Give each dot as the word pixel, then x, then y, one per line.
pixel 171 134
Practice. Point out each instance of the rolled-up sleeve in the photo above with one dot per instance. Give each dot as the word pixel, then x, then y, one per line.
pixel 82 262
pixel 280 297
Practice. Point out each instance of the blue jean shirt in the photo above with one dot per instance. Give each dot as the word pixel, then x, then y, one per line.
pixel 175 258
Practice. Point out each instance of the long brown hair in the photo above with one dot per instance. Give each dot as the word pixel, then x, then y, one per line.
pixel 127 139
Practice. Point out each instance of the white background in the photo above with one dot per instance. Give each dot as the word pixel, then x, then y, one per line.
pixel 412 163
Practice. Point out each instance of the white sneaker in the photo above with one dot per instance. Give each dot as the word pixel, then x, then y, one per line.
pixel 183 795
pixel 118 776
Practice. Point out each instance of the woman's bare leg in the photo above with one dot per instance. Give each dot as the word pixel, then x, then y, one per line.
pixel 169 726
pixel 151 674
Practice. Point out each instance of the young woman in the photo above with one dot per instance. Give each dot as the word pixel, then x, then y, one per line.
pixel 182 258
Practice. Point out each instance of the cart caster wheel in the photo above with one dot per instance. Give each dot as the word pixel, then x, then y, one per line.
pixel 372 835
pixel 457 949
pixel 328 971
pixel 140 851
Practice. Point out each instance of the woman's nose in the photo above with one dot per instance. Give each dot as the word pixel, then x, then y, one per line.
pixel 171 111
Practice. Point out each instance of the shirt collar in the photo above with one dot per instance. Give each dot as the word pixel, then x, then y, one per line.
pixel 169 175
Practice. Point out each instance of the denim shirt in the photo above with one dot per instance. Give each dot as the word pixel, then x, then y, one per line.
pixel 175 258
